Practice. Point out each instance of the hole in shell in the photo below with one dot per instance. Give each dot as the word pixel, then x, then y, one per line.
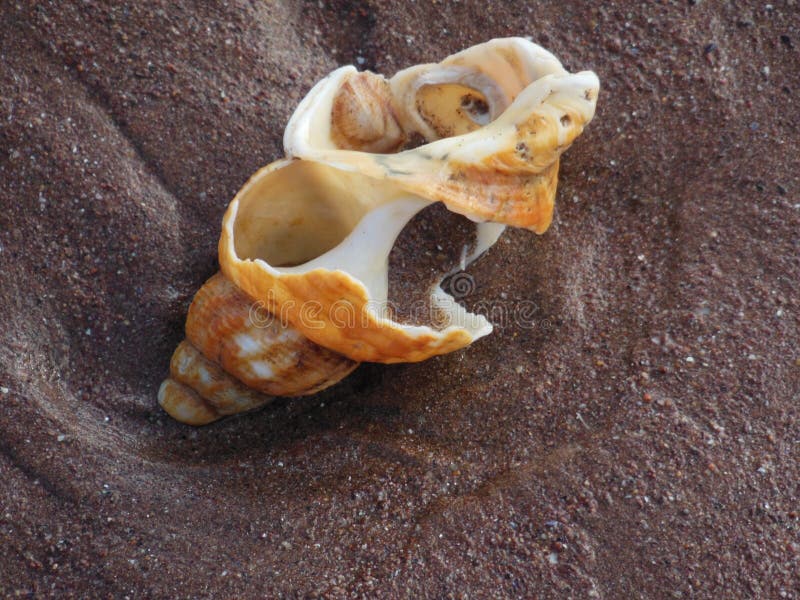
pixel 312 208
pixel 413 140
pixel 476 108
pixel 430 246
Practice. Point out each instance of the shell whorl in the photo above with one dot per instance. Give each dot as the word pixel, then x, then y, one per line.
pixel 237 357
pixel 363 117
pixel 495 117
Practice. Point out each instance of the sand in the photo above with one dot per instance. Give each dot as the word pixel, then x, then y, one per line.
pixel 632 431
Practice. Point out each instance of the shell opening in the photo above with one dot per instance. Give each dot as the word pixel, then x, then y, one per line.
pixel 297 213
pixel 304 216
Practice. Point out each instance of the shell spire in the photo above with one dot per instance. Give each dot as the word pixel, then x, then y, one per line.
pixel 236 357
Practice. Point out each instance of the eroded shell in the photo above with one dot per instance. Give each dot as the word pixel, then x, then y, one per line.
pixel 497 117
pixel 312 243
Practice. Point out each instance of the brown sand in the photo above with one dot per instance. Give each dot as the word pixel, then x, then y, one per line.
pixel 636 435
pixel 429 251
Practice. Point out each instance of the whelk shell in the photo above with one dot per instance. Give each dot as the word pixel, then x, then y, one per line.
pixel 302 296
pixel 305 242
